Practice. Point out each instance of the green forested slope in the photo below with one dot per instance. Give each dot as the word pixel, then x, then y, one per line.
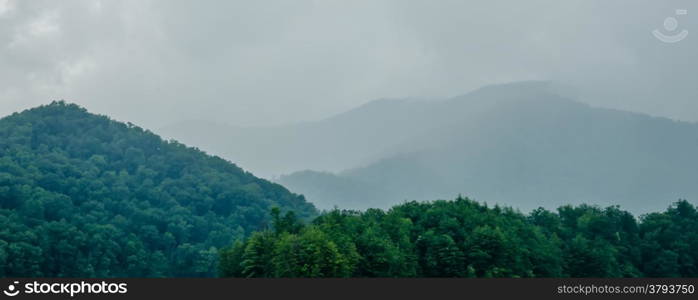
pixel 462 238
pixel 83 195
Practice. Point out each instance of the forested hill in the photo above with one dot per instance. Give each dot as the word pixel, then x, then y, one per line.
pixel 82 195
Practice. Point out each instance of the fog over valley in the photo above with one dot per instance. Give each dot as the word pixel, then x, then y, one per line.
pixel 519 144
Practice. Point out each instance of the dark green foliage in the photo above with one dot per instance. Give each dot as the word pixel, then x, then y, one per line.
pixel 462 238
pixel 670 242
pixel 85 196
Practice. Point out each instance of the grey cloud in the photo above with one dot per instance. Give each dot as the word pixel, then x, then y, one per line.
pixel 270 62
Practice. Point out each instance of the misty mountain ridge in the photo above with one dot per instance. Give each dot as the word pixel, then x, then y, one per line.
pixel 519 144
pixel 357 137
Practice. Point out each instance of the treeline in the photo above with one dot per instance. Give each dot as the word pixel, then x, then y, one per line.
pixel 85 196
pixel 462 238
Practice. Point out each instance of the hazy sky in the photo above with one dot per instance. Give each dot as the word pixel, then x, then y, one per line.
pixel 271 62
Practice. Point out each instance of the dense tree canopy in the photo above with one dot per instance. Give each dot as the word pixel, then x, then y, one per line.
pixel 462 238
pixel 82 195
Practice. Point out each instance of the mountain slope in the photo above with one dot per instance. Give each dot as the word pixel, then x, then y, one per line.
pixel 343 141
pixel 375 130
pixel 522 145
pixel 85 196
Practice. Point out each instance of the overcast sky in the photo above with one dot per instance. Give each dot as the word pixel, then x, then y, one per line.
pixel 269 62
